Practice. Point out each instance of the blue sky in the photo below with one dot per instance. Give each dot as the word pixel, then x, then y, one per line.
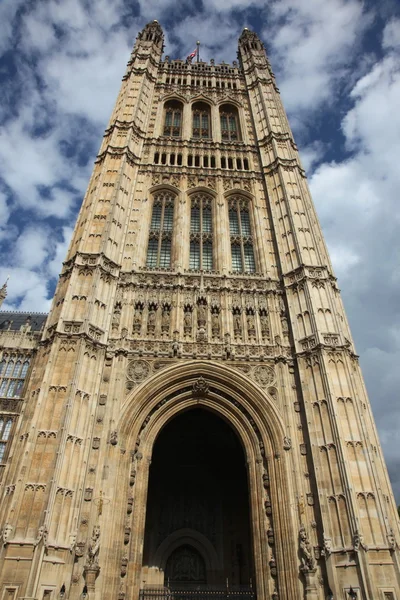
pixel 337 65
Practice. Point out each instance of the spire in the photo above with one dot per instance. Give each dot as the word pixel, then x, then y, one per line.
pixel 248 36
pixel 152 32
pixel 251 48
pixel 3 291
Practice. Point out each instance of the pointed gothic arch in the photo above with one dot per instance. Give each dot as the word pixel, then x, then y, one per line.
pixel 251 413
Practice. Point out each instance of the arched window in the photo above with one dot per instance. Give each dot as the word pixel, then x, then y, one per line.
pixel 160 235
pixel 201 120
pixel 241 238
pixel 229 119
pixel 201 251
pixel 173 118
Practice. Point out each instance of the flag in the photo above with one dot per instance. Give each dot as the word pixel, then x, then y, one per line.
pixel 191 56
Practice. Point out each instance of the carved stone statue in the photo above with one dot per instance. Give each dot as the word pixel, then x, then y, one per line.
pixel 215 323
pixel 285 327
pixel 306 551
pixel 165 320
pixel 116 318
pixel 137 320
pixel 94 547
pixel 237 325
pixel 151 321
pixel 251 326
pixel 187 321
pixel 201 315
pixel 264 326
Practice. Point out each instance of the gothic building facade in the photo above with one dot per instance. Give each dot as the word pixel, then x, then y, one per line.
pixel 194 421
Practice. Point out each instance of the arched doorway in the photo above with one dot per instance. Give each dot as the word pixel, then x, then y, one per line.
pixel 197 529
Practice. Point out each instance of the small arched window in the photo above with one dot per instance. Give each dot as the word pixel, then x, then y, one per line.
pixel 229 119
pixel 201 120
pixel 173 118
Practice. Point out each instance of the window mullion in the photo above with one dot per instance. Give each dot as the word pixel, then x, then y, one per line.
pixel 160 233
pixel 201 233
pixel 241 237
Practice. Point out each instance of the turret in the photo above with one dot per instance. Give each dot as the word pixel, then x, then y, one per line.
pixel 3 292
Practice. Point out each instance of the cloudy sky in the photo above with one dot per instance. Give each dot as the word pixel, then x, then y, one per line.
pixel 337 65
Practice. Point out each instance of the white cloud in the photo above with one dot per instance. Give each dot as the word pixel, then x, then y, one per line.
pixel 391 34
pixel 313 45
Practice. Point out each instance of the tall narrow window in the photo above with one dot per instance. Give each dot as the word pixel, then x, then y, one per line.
pixel 229 119
pixel 160 236
pixel 5 430
pixel 241 239
pixel 201 251
pixel 201 120
pixel 173 118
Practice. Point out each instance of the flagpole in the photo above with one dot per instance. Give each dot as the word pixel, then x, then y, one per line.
pixel 198 51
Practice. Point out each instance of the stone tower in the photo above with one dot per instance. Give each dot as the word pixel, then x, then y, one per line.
pixel 196 418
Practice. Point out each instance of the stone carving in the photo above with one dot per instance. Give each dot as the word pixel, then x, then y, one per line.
pixel 138 370
pixel 200 387
pixel 264 322
pixel 358 542
pixel 116 317
pixel 267 505
pixel 42 535
pixel 285 326
pixel 114 438
pixel 201 315
pixel 272 566
pixel 129 508
pixel 7 532
pixel 391 540
pixel 215 324
pixel 151 320
pixel 237 324
pixel 327 549
pixel 124 565
pixel 251 324
pixel 94 547
pixel 287 443
pixel 187 322
pixel 306 551
pixel 165 319
pixel 127 534
pixel 137 319
pixel 264 375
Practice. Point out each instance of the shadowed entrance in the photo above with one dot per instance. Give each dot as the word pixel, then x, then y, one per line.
pixel 197 522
